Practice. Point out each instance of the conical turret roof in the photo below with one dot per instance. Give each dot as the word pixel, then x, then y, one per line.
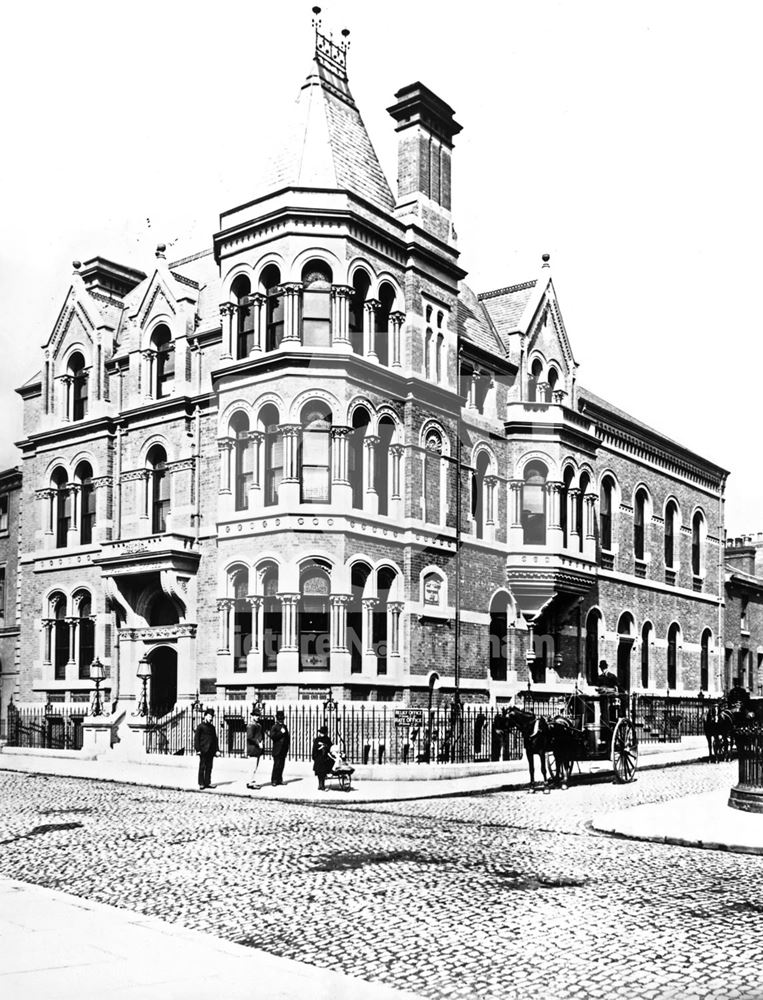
pixel 325 144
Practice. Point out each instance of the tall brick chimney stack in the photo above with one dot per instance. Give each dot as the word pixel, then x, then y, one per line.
pixel 426 127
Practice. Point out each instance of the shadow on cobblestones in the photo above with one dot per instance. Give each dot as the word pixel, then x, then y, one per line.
pixel 351 861
pixel 44 828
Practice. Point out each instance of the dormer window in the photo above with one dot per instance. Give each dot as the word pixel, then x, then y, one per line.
pixel 316 305
pixel 78 387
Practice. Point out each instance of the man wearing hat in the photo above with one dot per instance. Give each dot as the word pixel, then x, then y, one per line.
pixel 323 762
pixel 279 735
pixel 206 746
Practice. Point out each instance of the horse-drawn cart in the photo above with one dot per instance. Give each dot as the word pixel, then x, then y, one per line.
pixel 592 727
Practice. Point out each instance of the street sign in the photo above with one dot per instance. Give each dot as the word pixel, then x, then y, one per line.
pixel 409 716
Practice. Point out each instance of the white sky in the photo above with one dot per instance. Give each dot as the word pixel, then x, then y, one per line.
pixel 624 139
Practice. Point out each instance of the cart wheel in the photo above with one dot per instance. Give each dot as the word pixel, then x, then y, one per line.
pixel 624 751
pixel 551 769
pixel 344 782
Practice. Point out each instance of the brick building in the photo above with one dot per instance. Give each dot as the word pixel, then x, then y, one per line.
pixel 309 459
pixel 10 617
pixel 743 632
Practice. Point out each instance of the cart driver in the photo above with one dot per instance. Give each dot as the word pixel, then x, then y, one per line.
pixel 606 678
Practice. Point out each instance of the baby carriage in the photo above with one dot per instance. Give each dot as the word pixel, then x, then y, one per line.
pixel 341 770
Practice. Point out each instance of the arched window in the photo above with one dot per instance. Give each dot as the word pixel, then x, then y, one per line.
pixel 241 289
pixel 360 285
pixel 315 454
pixel 704 660
pixel 62 507
pixel 314 617
pixel 593 629
pixel 386 433
pixel 536 370
pixel 270 281
pixel 585 485
pixel 534 504
pixel 432 483
pixel 499 631
pixel 84 476
pixel 553 379
pixel 159 489
pixel 639 520
pixel 161 342
pixel 625 639
pixel 439 349
pixel 605 513
pixel 243 453
pixel 386 301
pixel 428 348
pixel 478 493
pixel 673 636
pixel 671 525
pixel 355 455
pixel 316 304
pixel 60 637
pixel 242 620
pixel 79 390
pixel 646 644
pixel 271 618
pixel 697 544
pixel 385 580
pixel 356 639
pixel 162 610
pixel 85 634
pixel 272 453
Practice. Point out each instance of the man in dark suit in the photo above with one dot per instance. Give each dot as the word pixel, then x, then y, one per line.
pixel 279 735
pixel 206 746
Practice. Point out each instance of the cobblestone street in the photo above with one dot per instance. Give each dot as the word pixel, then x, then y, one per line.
pixel 494 896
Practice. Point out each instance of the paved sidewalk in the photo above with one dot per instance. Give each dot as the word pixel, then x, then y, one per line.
pixel 60 947
pixel 230 775
pixel 692 821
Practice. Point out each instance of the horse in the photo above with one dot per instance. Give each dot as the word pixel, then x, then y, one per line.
pixel 567 745
pixel 536 736
pixel 719 728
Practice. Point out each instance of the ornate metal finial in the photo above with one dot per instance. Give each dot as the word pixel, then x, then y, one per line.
pixel 76 264
pixel 546 258
pixel 161 250
pixel 316 22
pixel 345 43
pixel 326 47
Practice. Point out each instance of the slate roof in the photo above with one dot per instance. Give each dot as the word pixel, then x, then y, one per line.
pixel 506 306
pixel 584 395
pixel 325 144
pixel 474 326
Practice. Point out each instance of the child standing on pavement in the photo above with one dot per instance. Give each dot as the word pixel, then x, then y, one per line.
pixel 255 736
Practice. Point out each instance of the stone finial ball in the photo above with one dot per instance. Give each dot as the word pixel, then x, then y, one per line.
pixel 546 258
pixel 76 264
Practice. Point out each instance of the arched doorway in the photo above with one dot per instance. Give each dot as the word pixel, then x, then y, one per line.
pixel 625 639
pixel 164 680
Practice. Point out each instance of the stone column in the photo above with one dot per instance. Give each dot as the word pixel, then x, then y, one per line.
pixel 396 452
pixel 370 308
pixel 589 541
pixel 254 659
pixel 339 604
pixel 47 645
pixel 147 373
pixel 224 607
pixel 369 603
pixel 256 304
pixel 541 389
pixel 471 401
pixel 341 489
pixel 558 396
pixel 72 536
pixel 72 622
pixel 256 439
pixel 225 448
pixel 227 312
pixel 102 487
pixel 289 622
pixel 371 497
pixel 573 527
pixel 396 320
pixel 516 534
pixel 489 484
pixel 340 314
pixel 394 610
pixel 292 294
pixel 66 387
pixel 554 534
pixel 288 491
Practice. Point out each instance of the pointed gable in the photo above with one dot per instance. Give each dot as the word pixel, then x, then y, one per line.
pixel 326 144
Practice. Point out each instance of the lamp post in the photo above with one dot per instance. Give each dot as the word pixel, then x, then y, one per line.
pixel 97 673
pixel 331 705
pixel 144 673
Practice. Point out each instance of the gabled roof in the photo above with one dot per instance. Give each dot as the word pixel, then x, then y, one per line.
pixel 326 144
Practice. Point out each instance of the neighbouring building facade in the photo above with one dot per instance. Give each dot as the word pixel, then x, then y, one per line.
pixel 309 459
pixel 10 525
pixel 743 658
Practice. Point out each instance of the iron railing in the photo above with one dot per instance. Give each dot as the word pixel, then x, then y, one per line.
pixel 749 742
pixel 368 734
pixel 43 728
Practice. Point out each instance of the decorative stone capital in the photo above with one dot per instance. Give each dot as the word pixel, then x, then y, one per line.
pixel 370 602
pixel 397 318
pixel 342 291
pixel 397 450
pixel 395 607
pixel 340 432
pixel 225 603
pixel 340 600
pixel 225 444
pixel 227 309
pixel 372 305
pixel 255 600
pixel 290 430
pixel 371 440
